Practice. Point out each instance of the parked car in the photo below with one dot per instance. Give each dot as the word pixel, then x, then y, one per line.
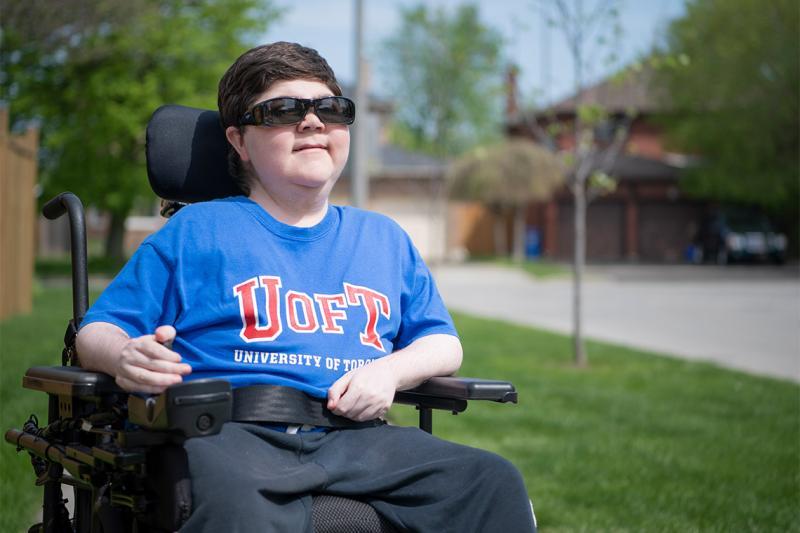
pixel 739 235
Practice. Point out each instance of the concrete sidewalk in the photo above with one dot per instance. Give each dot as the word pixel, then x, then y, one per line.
pixel 746 318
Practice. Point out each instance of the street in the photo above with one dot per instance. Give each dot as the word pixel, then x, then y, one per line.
pixel 744 317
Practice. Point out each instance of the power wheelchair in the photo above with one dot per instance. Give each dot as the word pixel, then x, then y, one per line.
pixel 122 453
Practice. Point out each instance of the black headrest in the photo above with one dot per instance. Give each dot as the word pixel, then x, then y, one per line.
pixel 187 155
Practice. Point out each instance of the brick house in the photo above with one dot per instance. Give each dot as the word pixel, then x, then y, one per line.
pixel 646 218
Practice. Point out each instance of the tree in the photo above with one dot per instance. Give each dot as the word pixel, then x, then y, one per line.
pixel 446 79
pixel 735 96
pixel 92 73
pixel 584 29
pixel 507 176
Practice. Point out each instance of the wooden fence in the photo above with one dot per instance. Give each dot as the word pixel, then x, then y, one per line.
pixel 18 167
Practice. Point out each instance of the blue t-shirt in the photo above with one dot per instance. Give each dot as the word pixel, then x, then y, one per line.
pixel 254 300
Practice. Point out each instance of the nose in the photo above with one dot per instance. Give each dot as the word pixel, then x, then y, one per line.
pixel 311 121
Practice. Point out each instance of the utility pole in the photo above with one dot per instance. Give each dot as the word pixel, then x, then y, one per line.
pixel 359 179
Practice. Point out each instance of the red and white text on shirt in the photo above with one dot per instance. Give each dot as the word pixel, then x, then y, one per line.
pixel 306 314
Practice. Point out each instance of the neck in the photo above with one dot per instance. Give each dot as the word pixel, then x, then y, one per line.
pixel 301 207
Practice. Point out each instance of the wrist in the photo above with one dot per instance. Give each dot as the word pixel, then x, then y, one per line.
pixel 99 347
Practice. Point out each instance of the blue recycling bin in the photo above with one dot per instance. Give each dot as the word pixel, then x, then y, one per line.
pixel 533 243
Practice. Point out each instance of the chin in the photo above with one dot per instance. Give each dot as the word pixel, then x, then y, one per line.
pixel 316 176
pixel 314 182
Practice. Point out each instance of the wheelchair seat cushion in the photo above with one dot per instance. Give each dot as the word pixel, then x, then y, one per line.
pixel 334 514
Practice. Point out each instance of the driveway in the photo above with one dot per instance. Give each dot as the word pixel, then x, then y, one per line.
pixel 746 318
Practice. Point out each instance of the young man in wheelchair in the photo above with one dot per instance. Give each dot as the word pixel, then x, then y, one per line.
pixel 281 288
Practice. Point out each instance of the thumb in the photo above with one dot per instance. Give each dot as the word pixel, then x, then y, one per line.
pixel 337 390
pixel 165 335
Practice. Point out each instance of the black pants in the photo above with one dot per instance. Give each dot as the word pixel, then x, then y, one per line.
pixel 253 479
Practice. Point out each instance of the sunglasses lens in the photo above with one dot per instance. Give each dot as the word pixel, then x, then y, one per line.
pixel 283 111
pixel 336 110
pixel 287 111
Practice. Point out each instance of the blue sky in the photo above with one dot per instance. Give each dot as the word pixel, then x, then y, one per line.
pixel 540 52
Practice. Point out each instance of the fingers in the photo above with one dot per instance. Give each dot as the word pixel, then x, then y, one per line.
pixel 336 391
pixel 140 380
pixel 161 365
pixel 165 334
pixel 157 355
pixel 364 410
pixel 360 396
pixel 147 364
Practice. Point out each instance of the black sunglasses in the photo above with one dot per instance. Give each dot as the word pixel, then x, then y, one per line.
pixel 285 111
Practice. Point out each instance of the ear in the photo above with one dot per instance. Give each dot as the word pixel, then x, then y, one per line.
pixel 236 138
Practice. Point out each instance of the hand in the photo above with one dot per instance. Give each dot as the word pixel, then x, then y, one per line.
pixel 363 394
pixel 146 364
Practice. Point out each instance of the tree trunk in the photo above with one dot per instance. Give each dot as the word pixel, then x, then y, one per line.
pixel 114 239
pixel 519 233
pixel 579 260
pixel 579 191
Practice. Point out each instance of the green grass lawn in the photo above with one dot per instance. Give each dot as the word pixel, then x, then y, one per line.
pixel 636 442
pixel 62 266
pixel 26 341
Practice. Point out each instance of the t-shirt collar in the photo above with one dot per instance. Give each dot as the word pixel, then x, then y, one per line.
pixel 285 230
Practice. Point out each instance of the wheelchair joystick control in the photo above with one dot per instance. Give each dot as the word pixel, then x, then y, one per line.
pixel 150 406
pixel 151 402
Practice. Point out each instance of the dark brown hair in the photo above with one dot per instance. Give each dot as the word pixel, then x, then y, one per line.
pixel 254 72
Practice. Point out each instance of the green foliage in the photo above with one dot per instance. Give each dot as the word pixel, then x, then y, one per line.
pixel 590 115
pixel 92 73
pixel 733 78
pixel 446 79
pixel 601 183
pixel 62 266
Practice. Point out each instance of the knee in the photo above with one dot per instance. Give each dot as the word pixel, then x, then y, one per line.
pixel 497 474
pixel 496 466
pixel 502 490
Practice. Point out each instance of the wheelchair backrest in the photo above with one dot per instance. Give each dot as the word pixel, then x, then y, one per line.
pixel 187 155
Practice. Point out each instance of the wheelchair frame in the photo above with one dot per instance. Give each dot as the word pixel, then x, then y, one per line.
pixel 100 439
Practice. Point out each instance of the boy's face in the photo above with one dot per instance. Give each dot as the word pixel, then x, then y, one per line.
pixel 308 155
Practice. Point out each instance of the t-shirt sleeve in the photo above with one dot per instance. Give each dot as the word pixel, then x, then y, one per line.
pixel 141 297
pixel 423 311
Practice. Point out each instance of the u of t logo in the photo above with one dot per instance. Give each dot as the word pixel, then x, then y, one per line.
pixel 302 316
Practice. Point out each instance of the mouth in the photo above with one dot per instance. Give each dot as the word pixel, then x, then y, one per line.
pixel 306 147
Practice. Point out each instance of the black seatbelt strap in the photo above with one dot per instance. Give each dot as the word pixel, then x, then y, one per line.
pixel 286 405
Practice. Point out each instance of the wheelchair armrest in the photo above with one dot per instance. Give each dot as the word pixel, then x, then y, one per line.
pixel 450 392
pixel 69 381
pixel 194 408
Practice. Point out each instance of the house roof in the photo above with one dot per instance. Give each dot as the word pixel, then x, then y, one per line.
pixel 643 168
pixel 398 162
pixel 631 89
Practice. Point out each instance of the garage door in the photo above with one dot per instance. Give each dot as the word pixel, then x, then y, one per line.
pixel 665 230
pixel 604 231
